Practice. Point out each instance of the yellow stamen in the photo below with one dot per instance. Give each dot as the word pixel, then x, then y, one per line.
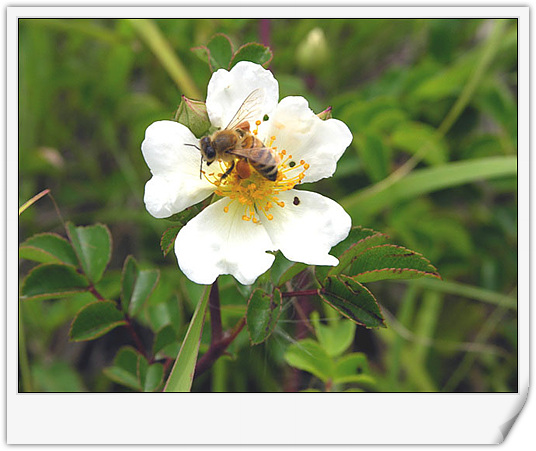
pixel 254 192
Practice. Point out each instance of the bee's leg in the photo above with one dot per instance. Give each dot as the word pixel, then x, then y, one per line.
pixel 228 171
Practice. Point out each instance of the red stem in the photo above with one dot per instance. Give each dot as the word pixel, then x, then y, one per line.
pixel 289 294
pixel 217 349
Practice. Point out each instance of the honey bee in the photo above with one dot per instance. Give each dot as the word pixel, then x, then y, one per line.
pixel 238 145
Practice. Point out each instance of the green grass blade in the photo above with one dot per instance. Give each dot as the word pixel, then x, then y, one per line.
pixel 360 205
pixel 182 373
pixel 160 46
pixel 468 291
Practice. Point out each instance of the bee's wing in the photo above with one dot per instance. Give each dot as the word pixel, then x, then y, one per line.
pixel 249 110
pixel 253 153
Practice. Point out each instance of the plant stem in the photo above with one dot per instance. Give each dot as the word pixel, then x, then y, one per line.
pixel 216 349
pixel 33 200
pixel 290 294
pixel 137 339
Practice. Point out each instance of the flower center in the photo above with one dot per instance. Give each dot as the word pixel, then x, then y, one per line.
pixel 246 185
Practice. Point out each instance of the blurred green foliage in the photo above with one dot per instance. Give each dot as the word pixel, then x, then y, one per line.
pixel 422 97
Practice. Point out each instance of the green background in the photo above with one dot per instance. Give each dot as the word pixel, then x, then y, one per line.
pixel 432 105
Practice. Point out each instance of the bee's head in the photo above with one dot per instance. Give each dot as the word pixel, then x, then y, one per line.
pixel 207 151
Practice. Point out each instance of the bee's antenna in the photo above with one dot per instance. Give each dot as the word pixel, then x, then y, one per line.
pixel 193 145
pixel 201 168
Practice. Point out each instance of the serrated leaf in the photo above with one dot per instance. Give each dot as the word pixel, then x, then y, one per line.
pixel 388 261
pixel 283 270
pixel 184 216
pixel 262 313
pixel 136 285
pixel 52 280
pixel 417 136
pixel 124 369
pixel 93 246
pixel 254 52
pixel 358 240
pixel 163 338
pixel 335 337
pixel 168 239
pixel 48 248
pixel 94 320
pixel 217 53
pixel 308 355
pixel 352 300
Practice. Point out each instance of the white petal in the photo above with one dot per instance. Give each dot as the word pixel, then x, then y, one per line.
pixel 306 232
pixel 306 137
pixel 175 184
pixel 227 90
pixel 215 243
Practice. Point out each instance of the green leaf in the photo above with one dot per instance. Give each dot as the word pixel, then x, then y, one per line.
pixel 48 248
pixel 352 300
pixel 390 262
pixel 164 337
pixel 182 373
pixel 217 53
pixel 93 246
pixel 52 280
pixel 185 215
pixel 352 364
pixel 283 270
pixel 262 314
pixel 124 371
pixel 149 376
pixel 153 377
pixel 308 355
pixel 94 320
pixel 336 337
pixel 359 239
pixel 168 239
pixel 254 52
pixel 416 136
pixel 136 285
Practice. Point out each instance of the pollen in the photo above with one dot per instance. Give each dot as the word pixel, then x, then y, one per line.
pixel 252 193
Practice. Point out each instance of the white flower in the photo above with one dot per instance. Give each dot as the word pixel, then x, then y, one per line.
pixel 253 215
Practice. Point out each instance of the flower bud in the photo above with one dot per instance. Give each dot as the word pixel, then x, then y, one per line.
pixel 193 114
pixel 326 114
pixel 313 50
